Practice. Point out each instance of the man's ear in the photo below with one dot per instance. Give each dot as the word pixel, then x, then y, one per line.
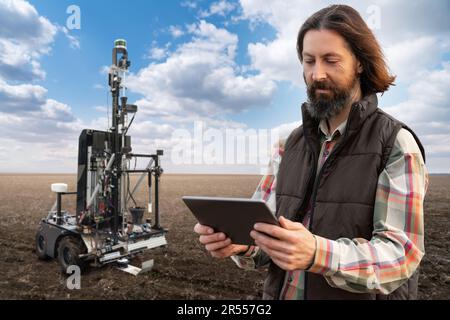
pixel 359 67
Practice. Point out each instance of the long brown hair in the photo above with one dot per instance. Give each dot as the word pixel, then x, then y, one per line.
pixel 346 21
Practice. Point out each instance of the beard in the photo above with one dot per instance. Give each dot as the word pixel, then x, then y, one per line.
pixel 323 106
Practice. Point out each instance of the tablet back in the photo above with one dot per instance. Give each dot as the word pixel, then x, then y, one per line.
pixel 233 216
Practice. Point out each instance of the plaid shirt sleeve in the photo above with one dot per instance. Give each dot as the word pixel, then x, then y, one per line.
pixel 265 190
pixel 384 263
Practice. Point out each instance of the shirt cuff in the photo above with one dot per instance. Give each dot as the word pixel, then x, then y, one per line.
pixel 250 252
pixel 246 261
pixel 326 260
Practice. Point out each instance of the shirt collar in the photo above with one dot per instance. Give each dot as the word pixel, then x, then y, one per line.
pixel 324 128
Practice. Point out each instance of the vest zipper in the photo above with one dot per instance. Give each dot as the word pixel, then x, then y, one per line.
pixel 316 183
pixel 310 185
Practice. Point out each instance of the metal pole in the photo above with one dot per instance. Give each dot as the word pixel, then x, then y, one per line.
pixel 157 226
pixel 58 207
pixel 116 170
pixel 117 163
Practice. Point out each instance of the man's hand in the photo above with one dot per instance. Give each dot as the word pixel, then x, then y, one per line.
pixel 291 246
pixel 218 245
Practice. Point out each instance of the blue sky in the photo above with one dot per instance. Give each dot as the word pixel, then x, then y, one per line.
pixel 146 22
pixel 229 64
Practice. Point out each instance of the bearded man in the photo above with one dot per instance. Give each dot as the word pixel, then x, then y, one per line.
pixel 347 185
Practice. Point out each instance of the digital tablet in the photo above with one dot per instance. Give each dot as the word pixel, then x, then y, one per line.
pixel 233 216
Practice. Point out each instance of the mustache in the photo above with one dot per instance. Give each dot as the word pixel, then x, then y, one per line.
pixel 323 85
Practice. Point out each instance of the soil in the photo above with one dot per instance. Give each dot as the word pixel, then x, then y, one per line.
pixel 183 270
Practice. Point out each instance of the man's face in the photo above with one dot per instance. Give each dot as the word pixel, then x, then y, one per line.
pixel 330 71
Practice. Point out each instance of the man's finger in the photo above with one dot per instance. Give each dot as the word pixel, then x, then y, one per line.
pixel 273 231
pixel 215 237
pixel 290 225
pixel 202 229
pixel 218 245
pixel 271 243
pixel 222 253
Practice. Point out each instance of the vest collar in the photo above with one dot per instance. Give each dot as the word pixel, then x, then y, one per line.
pixel 323 127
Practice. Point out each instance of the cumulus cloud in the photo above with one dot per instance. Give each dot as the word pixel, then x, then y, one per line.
pixel 276 60
pixel 157 53
pixel 35 127
pixel 426 110
pixel 24 37
pixel 189 4
pixel 200 78
pixel 21 21
pixel 31 100
pixel 73 40
pixel 220 8
pixel 21 98
pixel 58 111
pixel 428 98
pixel 176 31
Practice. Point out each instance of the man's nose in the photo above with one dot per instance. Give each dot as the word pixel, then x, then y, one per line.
pixel 319 73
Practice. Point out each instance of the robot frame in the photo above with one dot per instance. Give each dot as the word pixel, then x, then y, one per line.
pixel 104 230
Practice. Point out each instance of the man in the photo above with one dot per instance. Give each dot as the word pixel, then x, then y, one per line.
pixel 348 185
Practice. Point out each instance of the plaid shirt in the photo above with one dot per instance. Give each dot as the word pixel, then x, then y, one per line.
pixel 381 264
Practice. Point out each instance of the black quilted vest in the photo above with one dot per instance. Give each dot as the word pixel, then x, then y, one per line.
pixel 344 195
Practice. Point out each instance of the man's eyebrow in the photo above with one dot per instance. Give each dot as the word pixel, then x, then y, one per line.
pixel 332 54
pixel 326 55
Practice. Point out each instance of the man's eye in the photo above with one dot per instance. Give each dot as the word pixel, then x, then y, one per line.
pixel 332 61
pixel 309 61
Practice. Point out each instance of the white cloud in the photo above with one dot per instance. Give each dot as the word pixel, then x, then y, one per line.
pixel 176 31
pixel 157 53
pixel 41 131
pixel 189 4
pixel 428 98
pixel 220 8
pixel 427 111
pixel 19 62
pixel 31 100
pixel 411 59
pixel 200 78
pixel 24 38
pixel 21 21
pixel 38 128
pixel 21 98
pixel 73 40
pixel 277 60
pixel 58 111
pixel 145 129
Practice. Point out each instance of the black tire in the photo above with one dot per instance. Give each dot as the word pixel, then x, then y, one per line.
pixel 41 245
pixel 69 249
